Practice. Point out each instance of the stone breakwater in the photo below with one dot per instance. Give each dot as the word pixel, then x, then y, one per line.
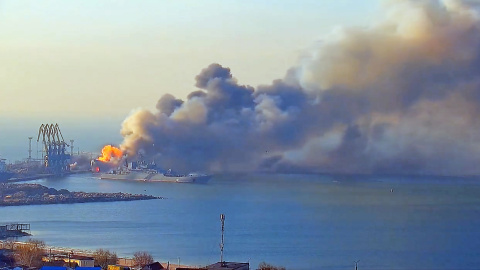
pixel 31 194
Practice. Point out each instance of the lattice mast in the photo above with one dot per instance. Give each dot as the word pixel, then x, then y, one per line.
pixel 222 219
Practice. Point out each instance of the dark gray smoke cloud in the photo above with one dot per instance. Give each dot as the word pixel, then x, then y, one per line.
pixel 401 96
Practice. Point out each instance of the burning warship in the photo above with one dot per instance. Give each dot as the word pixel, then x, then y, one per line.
pixel 113 165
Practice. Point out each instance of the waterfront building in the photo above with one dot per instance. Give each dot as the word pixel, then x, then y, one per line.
pixel 153 266
pixel 82 261
pixel 118 267
pixel 229 266
pixel 70 260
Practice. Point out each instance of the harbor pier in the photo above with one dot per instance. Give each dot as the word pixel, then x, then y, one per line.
pixel 14 230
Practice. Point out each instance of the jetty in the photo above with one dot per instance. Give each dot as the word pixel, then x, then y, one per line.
pixel 34 194
pixel 14 230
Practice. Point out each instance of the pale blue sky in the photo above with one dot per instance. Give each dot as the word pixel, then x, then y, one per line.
pixel 94 61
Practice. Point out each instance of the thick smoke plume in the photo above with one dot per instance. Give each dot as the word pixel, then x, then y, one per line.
pixel 401 96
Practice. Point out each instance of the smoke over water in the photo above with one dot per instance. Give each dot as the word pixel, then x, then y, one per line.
pixel 401 96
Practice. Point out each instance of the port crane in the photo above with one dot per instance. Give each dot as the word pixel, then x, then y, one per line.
pixel 56 160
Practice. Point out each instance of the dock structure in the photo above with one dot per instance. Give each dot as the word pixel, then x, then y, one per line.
pixel 14 230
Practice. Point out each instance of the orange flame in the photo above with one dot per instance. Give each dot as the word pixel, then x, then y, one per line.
pixel 109 152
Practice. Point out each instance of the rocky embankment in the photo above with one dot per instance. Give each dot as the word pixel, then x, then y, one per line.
pixel 30 194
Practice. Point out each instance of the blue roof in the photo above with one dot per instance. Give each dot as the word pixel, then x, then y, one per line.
pixel 53 268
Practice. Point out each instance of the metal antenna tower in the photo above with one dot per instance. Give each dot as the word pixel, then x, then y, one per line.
pixel 356 264
pixel 71 148
pixel 222 218
pixel 30 149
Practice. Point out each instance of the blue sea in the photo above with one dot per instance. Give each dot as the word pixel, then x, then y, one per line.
pixel 296 221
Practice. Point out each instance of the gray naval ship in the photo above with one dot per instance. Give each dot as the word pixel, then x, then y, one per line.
pixel 140 171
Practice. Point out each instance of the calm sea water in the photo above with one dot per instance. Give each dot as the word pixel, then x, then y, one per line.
pixel 297 221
